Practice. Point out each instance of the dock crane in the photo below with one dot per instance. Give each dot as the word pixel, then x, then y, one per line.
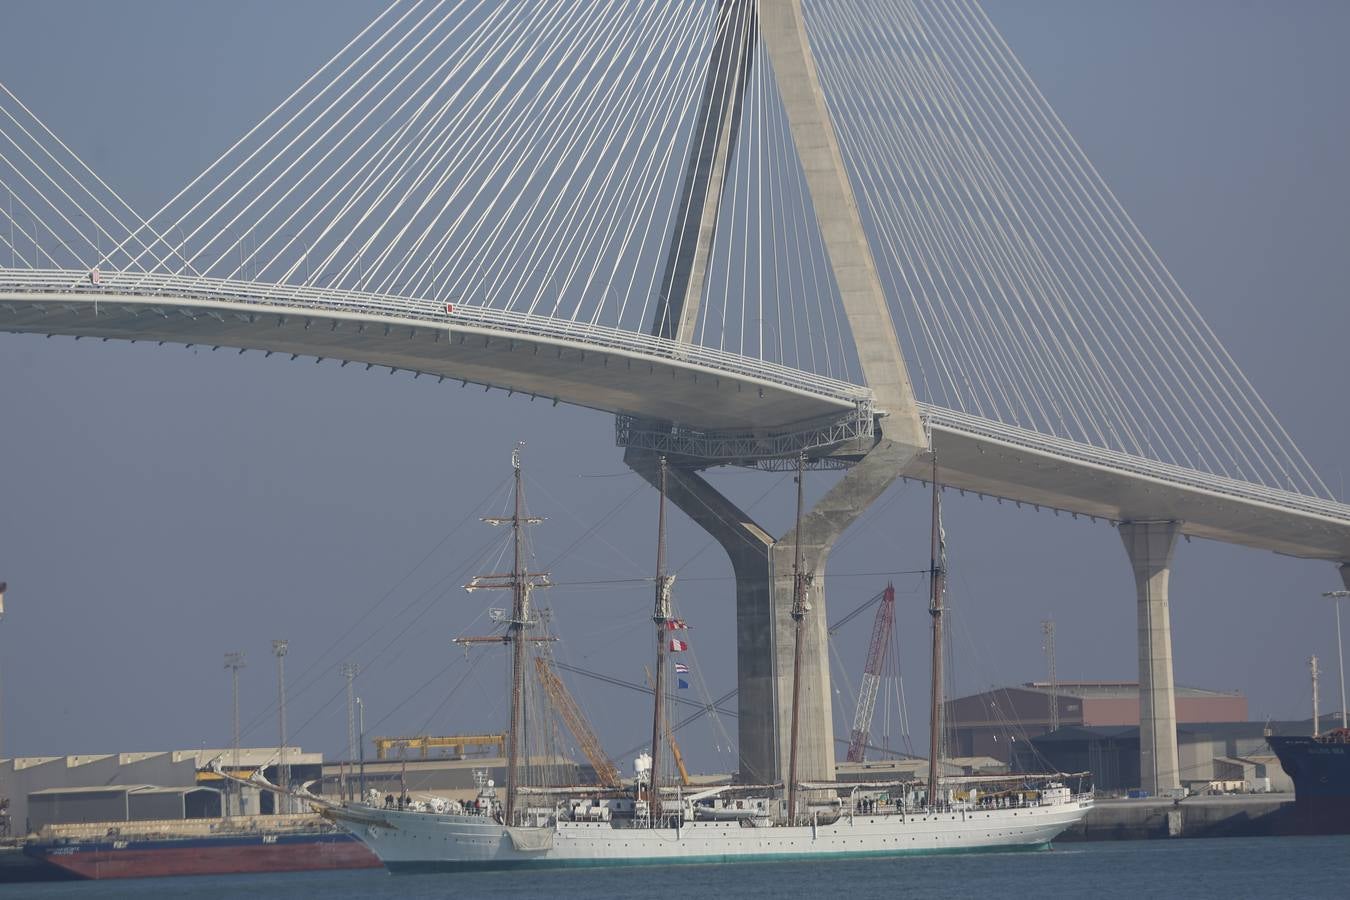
pixel 605 771
pixel 871 680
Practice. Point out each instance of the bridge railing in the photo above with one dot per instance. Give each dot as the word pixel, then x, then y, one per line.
pixel 137 285
pixel 975 426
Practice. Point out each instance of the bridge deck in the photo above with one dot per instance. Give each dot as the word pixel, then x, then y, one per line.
pixel 577 363
pixel 985 457
pixel 638 375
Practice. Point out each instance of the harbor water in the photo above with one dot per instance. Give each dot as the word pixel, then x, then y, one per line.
pixel 1220 868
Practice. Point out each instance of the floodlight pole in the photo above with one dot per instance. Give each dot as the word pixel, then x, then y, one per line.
pixel 279 648
pixel 3 586
pixel 234 661
pixel 361 747
pixel 349 671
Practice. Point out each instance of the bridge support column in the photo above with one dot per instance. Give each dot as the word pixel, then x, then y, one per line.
pixel 1150 546
pixel 826 521
pixel 764 626
pixel 748 546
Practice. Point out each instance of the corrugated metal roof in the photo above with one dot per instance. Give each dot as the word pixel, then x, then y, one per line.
pixel 1202 730
pixel 94 789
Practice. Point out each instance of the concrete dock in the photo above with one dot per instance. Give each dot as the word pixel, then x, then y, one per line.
pixel 1244 815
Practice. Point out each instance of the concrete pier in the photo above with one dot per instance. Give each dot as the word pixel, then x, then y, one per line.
pixel 831 516
pixel 1238 815
pixel 748 547
pixel 1150 546
pixel 764 626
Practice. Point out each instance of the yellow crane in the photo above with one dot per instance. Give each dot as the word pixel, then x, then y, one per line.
pixel 605 770
pixel 458 744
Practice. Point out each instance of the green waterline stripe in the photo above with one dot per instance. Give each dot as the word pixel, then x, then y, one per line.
pixel 431 866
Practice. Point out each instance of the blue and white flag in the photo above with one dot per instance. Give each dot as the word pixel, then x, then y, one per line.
pixel 683 685
pixel 681 669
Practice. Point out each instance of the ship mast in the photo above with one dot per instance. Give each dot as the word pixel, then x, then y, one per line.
pixel 520 582
pixel 937 583
pixel 800 607
pixel 660 616
pixel 520 610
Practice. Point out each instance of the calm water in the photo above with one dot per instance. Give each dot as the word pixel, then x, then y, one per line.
pixel 1268 868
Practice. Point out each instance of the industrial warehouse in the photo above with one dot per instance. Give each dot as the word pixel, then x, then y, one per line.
pixel 57 794
pixel 1094 726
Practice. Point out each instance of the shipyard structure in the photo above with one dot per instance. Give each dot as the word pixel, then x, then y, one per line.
pixel 1095 726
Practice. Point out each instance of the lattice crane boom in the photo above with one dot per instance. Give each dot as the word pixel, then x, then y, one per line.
pixel 871 680
pixel 572 716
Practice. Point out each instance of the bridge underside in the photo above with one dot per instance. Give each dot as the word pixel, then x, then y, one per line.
pixel 978 463
pixel 631 383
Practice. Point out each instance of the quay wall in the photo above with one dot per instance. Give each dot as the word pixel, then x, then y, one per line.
pixel 1249 815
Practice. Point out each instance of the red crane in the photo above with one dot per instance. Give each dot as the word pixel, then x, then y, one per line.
pixel 871 680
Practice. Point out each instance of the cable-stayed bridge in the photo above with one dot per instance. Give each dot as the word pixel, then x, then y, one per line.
pixel 848 229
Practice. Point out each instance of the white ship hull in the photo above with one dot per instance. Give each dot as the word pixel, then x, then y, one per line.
pixel 423 842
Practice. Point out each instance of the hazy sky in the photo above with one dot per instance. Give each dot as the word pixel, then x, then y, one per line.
pixel 160 506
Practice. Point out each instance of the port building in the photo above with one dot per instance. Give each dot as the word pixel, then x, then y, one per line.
pixel 120 803
pixel 991 723
pixel 1077 726
pixel 126 787
pixel 1232 754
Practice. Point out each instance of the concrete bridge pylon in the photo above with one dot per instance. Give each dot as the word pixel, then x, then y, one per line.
pixel 1150 546
pixel 763 564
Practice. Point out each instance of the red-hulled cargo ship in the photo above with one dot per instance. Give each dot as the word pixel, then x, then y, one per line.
pixel 217 854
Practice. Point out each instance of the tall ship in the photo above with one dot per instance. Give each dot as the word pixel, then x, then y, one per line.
pixel 647 820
